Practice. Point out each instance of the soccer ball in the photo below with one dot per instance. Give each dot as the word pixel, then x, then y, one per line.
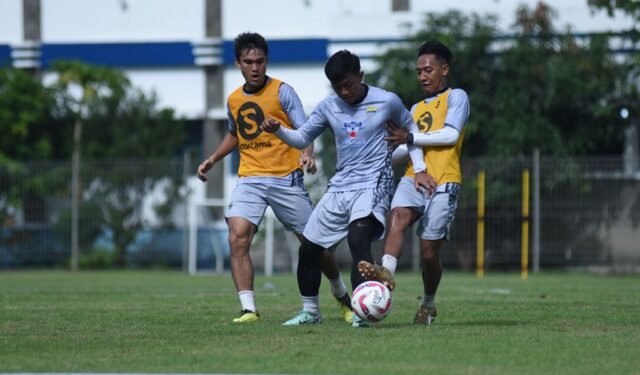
pixel 371 301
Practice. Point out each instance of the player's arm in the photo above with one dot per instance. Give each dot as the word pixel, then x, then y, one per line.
pixel 307 161
pixel 302 137
pixel 401 116
pixel 443 137
pixel 228 144
pixel 457 115
pixel 290 102
pixel 400 155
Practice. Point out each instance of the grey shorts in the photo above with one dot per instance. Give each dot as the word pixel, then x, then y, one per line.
pixel 330 219
pixel 287 197
pixel 437 211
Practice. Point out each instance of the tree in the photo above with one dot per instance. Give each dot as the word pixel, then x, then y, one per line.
pixel 630 7
pixel 539 88
pixel 91 85
pixel 631 40
pixel 470 36
pixel 27 131
pixel 124 126
pixel 24 114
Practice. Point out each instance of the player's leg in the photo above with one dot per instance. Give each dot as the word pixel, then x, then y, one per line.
pixel 361 233
pixel 330 269
pixel 292 206
pixel 431 276
pixel 240 236
pixel 309 276
pixel 332 272
pixel 326 227
pixel 435 229
pixel 245 212
pixel 400 219
pixel 406 208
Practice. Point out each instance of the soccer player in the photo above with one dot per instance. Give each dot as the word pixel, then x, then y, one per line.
pixel 359 194
pixel 270 171
pixel 441 117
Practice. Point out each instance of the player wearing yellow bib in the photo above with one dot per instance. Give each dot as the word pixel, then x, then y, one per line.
pixel 441 117
pixel 270 171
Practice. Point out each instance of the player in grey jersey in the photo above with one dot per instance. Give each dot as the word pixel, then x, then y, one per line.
pixel 359 194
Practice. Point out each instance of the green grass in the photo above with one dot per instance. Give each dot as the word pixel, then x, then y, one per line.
pixel 169 322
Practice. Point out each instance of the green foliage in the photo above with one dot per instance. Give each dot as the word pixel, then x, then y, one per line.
pixel 97 85
pixel 118 123
pixel 631 39
pixel 97 259
pixel 91 225
pixel 630 7
pixel 538 89
pixel 121 124
pixel 25 132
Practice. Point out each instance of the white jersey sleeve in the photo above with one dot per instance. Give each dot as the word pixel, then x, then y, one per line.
pixel 458 109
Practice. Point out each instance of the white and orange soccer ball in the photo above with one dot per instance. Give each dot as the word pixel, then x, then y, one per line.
pixel 371 301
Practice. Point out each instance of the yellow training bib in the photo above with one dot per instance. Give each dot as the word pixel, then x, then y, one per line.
pixel 262 153
pixel 443 162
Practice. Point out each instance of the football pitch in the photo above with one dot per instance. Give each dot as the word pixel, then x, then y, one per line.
pixel 167 322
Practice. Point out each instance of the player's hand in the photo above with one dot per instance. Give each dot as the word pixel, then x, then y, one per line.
pixel 270 125
pixel 397 135
pixel 204 168
pixel 424 181
pixel 308 163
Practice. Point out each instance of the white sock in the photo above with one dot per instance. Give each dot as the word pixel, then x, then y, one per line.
pixel 428 300
pixel 390 262
pixel 338 289
pixel 247 300
pixel 311 304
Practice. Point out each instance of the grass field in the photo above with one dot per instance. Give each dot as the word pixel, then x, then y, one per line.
pixel 168 322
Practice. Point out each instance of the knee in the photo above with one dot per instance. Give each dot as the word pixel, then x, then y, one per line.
pixel 430 256
pixel 239 241
pixel 309 249
pixel 353 241
pixel 400 219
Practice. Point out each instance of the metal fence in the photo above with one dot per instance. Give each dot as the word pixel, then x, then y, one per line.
pixel 589 215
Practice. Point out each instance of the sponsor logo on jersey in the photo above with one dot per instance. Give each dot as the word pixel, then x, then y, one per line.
pixel 352 128
pixel 248 120
pixel 425 121
pixel 254 145
pixel 371 108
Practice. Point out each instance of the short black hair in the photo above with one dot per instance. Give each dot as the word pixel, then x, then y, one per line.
pixel 434 47
pixel 249 41
pixel 341 64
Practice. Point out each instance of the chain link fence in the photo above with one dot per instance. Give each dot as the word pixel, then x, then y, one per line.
pixel 132 214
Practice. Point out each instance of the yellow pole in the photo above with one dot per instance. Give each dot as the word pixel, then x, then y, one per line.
pixel 525 224
pixel 480 239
